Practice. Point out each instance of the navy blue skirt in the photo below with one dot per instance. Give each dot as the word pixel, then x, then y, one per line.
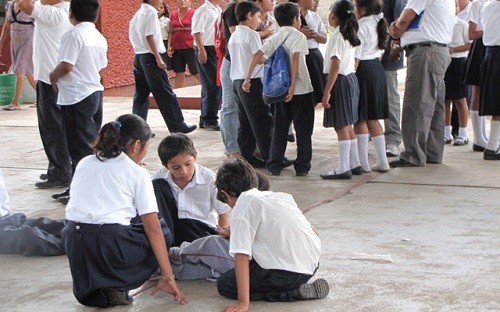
pixel 373 97
pixel 344 101
pixel 474 60
pixel 456 89
pixel 489 104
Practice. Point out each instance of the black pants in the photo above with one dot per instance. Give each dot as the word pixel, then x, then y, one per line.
pixel 300 110
pixel 182 230
pixel 255 119
pixel 149 78
pixel 50 125
pixel 314 62
pixel 265 285
pixel 210 93
pixel 82 122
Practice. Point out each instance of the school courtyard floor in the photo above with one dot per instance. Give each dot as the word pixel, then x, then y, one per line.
pixel 438 225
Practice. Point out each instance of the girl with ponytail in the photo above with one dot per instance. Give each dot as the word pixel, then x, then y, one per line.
pixel 341 95
pixel 373 99
pixel 108 256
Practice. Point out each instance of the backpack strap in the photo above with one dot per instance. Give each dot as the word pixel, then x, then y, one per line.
pixel 14 16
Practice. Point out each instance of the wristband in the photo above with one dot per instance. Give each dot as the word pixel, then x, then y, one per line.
pixel 168 279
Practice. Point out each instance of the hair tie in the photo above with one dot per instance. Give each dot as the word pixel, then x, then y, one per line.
pixel 118 125
pixel 349 12
pixel 379 16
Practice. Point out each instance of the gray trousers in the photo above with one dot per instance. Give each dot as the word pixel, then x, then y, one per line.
pixel 204 258
pixel 423 105
pixel 392 124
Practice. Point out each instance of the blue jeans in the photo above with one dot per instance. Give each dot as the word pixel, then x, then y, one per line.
pixel 210 92
pixel 149 78
pixel 229 122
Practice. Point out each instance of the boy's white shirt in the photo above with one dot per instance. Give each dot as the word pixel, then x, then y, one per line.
pixel 242 45
pixel 460 37
pixel 315 23
pixel 295 42
pixel 145 23
pixel 203 22
pixel 341 48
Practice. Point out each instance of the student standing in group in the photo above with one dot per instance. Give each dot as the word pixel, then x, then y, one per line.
pixel 203 30
pixel 150 73
pixel 341 94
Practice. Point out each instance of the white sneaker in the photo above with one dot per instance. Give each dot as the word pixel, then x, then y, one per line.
pixel 381 168
pixel 461 141
pixel 392 150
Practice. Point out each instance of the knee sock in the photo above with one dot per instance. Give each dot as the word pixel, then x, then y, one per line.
pixel 363 150
pixel 353 154
pixel 447 133
pixel 477 127
pixel 494 141
pixel 344 149
pixel 483 128
pixel 379 142
pixel 463 133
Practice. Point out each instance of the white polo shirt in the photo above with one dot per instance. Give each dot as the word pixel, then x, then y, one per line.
pixel 490 19
pixel 367 34
pixel 4 197
pixel 198 200
pixel 270 228
pixel 434 22
pixel 314 22
pixel 85 48
pixel 460 37
pixel 242 45
pixel 52 22
pixel 295 42
pixel 164 27
pixel 475 13
pixel 203 22
pixel 342 49
pixel 110 191
pixel 145 23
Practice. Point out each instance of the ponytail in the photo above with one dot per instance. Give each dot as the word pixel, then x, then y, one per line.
pixel 116 136
pixel 382 32
pixel 344 11
pixel 374 7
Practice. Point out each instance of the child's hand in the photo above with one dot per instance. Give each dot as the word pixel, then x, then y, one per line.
pixel 170 287
pixel 289 96
pixel 202 55
pixel 325 101
pixel 170 52
pixel 161 64
pixel 246 85
pixel 239 307
pixel 307 31
pixel 224 232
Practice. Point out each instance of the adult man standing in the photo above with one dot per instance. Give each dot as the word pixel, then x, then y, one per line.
pixel 52 21
pixel 425 28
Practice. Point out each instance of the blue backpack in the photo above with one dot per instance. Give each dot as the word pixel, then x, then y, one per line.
pixel 276 79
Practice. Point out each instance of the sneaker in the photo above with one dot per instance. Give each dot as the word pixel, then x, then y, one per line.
pixel 461 141
pixel 48 184
pixel 318 289
pixel 392 150
pixel 491 154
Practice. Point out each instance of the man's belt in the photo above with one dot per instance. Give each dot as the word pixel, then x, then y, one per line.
pixel 413 46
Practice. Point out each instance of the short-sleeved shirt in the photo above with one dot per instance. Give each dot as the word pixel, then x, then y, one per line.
pixel 314 22
pixel 490 19
pixel 181 37
pixel 204 22
pixel 85 48
pixel 433 23
pixel 52 22
pixel 342 49
pixel 110 191
pixel 460 37
pixel 198 200
pixel 367 34
pixel 271 229
pixel 145 23
pixel 475 13
pixel 464 13
pixel 242 45
pixel 295 42
pixel 164 27
pixel 4 197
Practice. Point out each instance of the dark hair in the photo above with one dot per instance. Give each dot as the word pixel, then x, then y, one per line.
pixel 166 13
pixel 84 10
pixel 116 136
pixel 235 177
pixel 243 8
pixel 174 145
pixel 344 11
pixel 374 7
pixel 263 181
pixel 285 13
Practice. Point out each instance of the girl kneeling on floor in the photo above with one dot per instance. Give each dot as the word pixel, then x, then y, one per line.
pixel 107 255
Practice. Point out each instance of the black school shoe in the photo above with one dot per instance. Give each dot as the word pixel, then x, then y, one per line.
pixel 332 175
pixel 48 184
pixel 491 154
pixel 318 289
pixel 210 126
pixel 117 297
pixel 477 148
pixel 401 163
pixel 184 128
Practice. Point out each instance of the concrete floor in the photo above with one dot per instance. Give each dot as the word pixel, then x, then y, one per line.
pixel 439 224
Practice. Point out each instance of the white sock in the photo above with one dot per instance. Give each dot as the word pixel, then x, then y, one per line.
pixel 477 127
pixel 353 154
pixel 363 150
pixel 483 128
pixel 344 150
pixel 447 133
pixel 463 133
pixel 379 143
pixel 494 140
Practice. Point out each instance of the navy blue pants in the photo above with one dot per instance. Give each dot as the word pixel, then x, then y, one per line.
pixel 211 94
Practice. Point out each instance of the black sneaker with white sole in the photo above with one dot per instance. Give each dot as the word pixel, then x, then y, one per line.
pixel 318 289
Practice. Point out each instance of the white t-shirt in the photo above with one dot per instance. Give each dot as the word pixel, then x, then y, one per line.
pixel 464 14
pixel 270 228
pixel 203 22
pixel 434 22
pixel 145 23
pixel 367 34
pixel 295 42
pixel 52 22
pixel 475 13
pixel 460 37
pixel 314 22
pixel 110 191
pixel 4 197
pixel 242 45
pixel 85 48
pixel 164 27
pixel 343 50
pixel 490 19
pixel 198 200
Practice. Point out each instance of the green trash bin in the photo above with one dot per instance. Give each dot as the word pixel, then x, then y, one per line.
pixel 7 88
